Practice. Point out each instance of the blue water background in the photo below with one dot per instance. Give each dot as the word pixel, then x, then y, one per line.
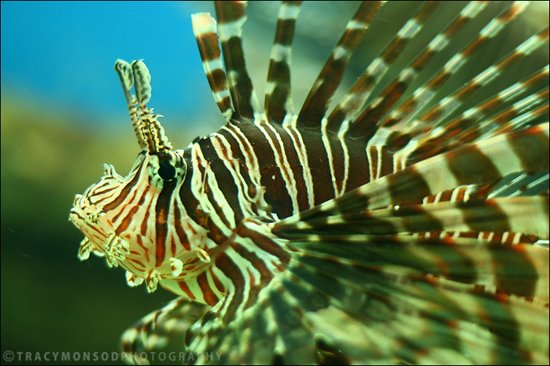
pixel 63 53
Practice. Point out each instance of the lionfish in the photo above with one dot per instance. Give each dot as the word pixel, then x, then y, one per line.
pixel 390 227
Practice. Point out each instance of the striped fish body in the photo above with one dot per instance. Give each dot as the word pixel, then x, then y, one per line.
pixel 245 170
pixel 392 228
pixel 290 165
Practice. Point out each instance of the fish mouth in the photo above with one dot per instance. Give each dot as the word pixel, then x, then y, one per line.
pixel 74 216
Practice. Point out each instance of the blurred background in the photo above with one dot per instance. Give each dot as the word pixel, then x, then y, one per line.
pixel 63 115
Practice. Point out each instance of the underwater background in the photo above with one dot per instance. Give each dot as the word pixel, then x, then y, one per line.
pixel 63 115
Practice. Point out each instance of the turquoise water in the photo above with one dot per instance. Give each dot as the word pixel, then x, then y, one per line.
pixel 64 52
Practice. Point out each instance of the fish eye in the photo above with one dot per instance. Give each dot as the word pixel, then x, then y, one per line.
pixel 166 170
pixel 169 166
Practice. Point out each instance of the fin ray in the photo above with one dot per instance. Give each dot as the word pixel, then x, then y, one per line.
pixel 278 99
pixel 231 17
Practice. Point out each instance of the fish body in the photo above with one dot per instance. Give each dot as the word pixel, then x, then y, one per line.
pixel 390 228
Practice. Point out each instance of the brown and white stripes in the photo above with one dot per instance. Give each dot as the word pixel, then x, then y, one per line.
pixel 424 94
pixel 408 223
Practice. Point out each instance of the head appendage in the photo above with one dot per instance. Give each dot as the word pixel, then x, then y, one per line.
pixel 148 130
pixel 124 71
